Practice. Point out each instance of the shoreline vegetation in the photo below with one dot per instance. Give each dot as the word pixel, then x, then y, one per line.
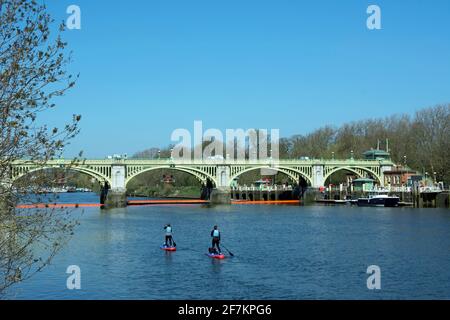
pixel 179 192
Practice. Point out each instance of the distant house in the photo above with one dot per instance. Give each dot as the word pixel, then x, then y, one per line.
pixel 399 176
pixel 415 179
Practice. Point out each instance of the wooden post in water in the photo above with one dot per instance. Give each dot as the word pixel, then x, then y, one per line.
pixel 415 196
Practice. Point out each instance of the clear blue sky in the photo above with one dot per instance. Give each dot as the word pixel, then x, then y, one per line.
pixel 148 67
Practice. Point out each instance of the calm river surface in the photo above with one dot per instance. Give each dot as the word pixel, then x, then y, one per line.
pixel 281 252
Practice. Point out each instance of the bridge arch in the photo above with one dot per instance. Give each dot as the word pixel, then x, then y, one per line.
pixel 356 170
pixel 293 174
pixel 101 179
pixel 201 176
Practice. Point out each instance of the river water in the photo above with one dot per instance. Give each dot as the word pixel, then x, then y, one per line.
pixel 281 252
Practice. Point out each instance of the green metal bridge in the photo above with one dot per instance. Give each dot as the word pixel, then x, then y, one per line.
pixel 118 173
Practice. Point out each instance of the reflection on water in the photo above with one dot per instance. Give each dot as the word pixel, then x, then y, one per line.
pixel 168 256
pixel 281 252
pixel 216 265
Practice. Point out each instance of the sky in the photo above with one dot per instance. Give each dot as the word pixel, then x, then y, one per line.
pixel 148 67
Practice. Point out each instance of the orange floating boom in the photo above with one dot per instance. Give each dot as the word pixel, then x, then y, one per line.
pixel 177 201
pixel 293 202
pixel 58 205
pixel 150 202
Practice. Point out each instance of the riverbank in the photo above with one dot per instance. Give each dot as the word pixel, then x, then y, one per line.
pixel 436 199
pixel 185 192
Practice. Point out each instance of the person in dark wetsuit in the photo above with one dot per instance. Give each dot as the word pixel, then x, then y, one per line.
pixel 169 238
pixel 215 234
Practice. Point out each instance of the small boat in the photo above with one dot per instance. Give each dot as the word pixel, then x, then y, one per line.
pixel 219 256
pixel 380 200
pixel 168 248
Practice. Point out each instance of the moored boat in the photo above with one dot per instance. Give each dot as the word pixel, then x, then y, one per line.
pixel 381 200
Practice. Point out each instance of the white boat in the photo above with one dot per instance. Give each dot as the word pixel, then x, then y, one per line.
pixel 379 200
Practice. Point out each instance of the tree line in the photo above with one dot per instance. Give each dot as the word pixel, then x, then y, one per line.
pixel 421 141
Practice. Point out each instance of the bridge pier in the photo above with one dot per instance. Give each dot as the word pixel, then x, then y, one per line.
pixel 220 196
pixel 222 193
pixel 117 195
pixel 318 176
pixel 116 199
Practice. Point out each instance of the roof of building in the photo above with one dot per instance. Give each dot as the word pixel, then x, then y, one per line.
pixel 364 180
pixel 376 152
pixel 400 170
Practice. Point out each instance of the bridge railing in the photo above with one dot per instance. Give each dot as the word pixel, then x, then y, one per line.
pixel 246 162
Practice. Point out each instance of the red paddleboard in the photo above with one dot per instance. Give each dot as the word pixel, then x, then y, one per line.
pixel 170 249
pixel 216 256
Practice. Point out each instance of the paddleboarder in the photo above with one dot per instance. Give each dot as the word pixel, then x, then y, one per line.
pixel 169 239
pixel 215 234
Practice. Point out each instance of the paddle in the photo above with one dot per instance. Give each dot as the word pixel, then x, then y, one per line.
pixel 229 252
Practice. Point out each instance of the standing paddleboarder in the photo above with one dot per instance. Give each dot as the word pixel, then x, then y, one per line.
pixel 169 238
pixel 215 234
